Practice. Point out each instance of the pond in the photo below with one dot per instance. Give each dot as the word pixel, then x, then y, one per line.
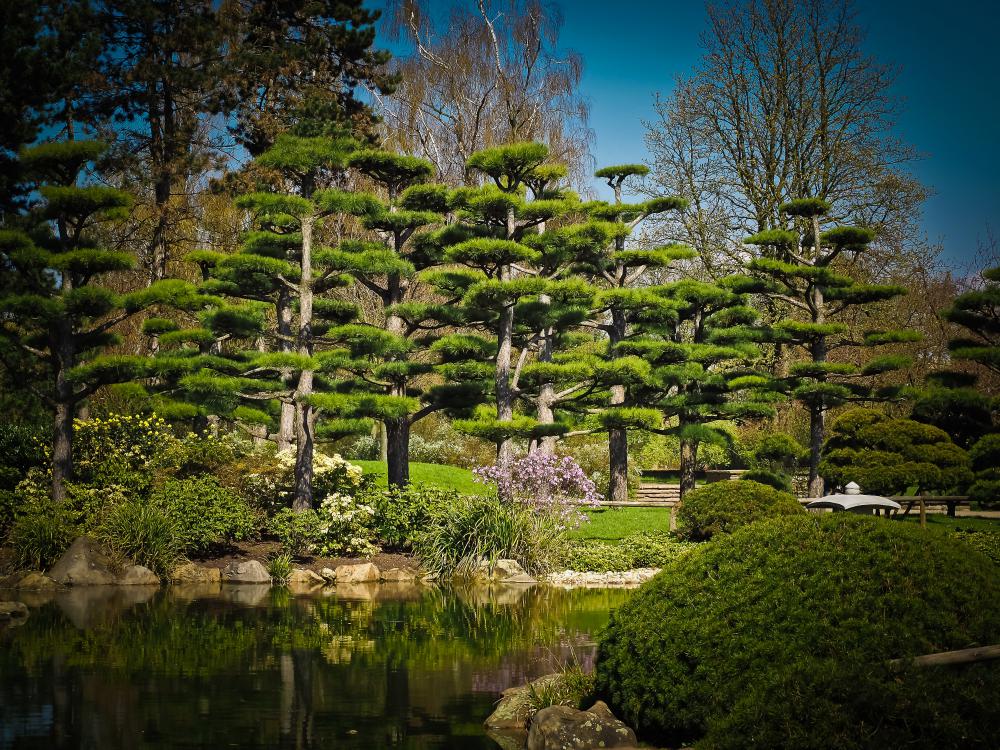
pixel 258 667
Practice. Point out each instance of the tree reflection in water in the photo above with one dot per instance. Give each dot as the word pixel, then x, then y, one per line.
pixel 254 667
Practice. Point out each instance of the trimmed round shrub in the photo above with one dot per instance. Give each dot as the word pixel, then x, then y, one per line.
pixel 783 633
pixel 723 507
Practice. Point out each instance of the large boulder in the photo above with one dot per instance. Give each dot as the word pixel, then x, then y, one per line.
pixel 138 575
pixel 191 573
pixel 514 708
pixel 305 577
pixel 35 581
pixel 565 728
pixel 505 569
pixel 83 564
pixel 246 571
pixel 399 575
pixel 359 573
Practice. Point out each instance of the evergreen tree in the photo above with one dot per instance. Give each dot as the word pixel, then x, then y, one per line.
pixel 57 303
pixel 978 312
pixel 298 66
pixel 619 270
pixel 489 239
pixel 384 359
pixel 797 268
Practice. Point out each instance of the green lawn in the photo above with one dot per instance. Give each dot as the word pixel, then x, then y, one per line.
pixel 613 524
pixel 438 475
pixel 941 521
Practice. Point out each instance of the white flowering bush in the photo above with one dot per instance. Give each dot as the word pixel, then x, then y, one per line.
pixel 343 522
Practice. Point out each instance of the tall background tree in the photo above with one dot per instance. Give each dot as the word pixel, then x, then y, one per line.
pixel 491 73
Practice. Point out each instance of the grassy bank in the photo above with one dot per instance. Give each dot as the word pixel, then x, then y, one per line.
pixel 436 475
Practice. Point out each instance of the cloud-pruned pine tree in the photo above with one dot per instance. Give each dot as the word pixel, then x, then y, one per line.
pixel 57 304
pixel 387 355
pixel 488 239
pixel 619 271
pixel 797 268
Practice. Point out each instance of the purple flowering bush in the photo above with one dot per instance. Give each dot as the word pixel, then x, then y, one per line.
pixel 552 486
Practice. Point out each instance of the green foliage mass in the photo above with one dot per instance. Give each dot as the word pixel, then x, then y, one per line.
pixel 401 512
pixel 890 456
pixel 204 513
pixel 646 549
pixel 724 507
pixel 461 534
pixel 781 634
pixel 143 533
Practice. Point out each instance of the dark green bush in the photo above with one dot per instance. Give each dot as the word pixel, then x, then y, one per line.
pixel 723 507
pixel 780 635
pixel 777 479
pixel 986 542
pixel 401 512
pixel 22 447
pixel 141 533
pixel 204 513
pixel 39 538
pixel 647 549
pixel 298 532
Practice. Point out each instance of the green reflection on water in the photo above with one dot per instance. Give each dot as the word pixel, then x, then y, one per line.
pixel 249 667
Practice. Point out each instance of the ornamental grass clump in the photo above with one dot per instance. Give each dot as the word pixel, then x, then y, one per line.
pixel 785 634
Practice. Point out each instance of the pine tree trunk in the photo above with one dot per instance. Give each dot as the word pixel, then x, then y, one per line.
pixel 546 398
pixel 504 393
pixel 816 433
pixel 689 465
pixel 618 437
pixel 62 450
pixel 398 451
pixel 397 430
pixel 286 422
pixel 303 410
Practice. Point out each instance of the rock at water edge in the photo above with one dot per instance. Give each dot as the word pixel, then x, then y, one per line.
pixel 507 569
pixel 360 573
pixel 558 727
pixel 191 573
pixel 514 708
pixel 401 575
pixel 35 581
pixel 305 577
pixel 246 571
pixel 329 575
pixel 139 575
pixel 83 564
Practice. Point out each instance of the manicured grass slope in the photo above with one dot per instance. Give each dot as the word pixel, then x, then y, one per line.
pixel 614 524
pixel 437 475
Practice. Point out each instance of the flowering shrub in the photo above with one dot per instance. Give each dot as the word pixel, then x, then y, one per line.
pixel 272 482
pixel 551 486
pixel 346 526
pixel 118 449
pixel 344 519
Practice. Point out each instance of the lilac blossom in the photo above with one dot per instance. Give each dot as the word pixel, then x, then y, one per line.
pixel 547 484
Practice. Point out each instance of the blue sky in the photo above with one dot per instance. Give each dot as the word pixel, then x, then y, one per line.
pixel 948 83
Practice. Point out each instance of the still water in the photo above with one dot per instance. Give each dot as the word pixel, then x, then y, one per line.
pixel 258 667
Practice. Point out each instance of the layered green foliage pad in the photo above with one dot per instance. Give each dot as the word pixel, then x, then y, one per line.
pixel 781 635
pixel 887 456
pixel 724 507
